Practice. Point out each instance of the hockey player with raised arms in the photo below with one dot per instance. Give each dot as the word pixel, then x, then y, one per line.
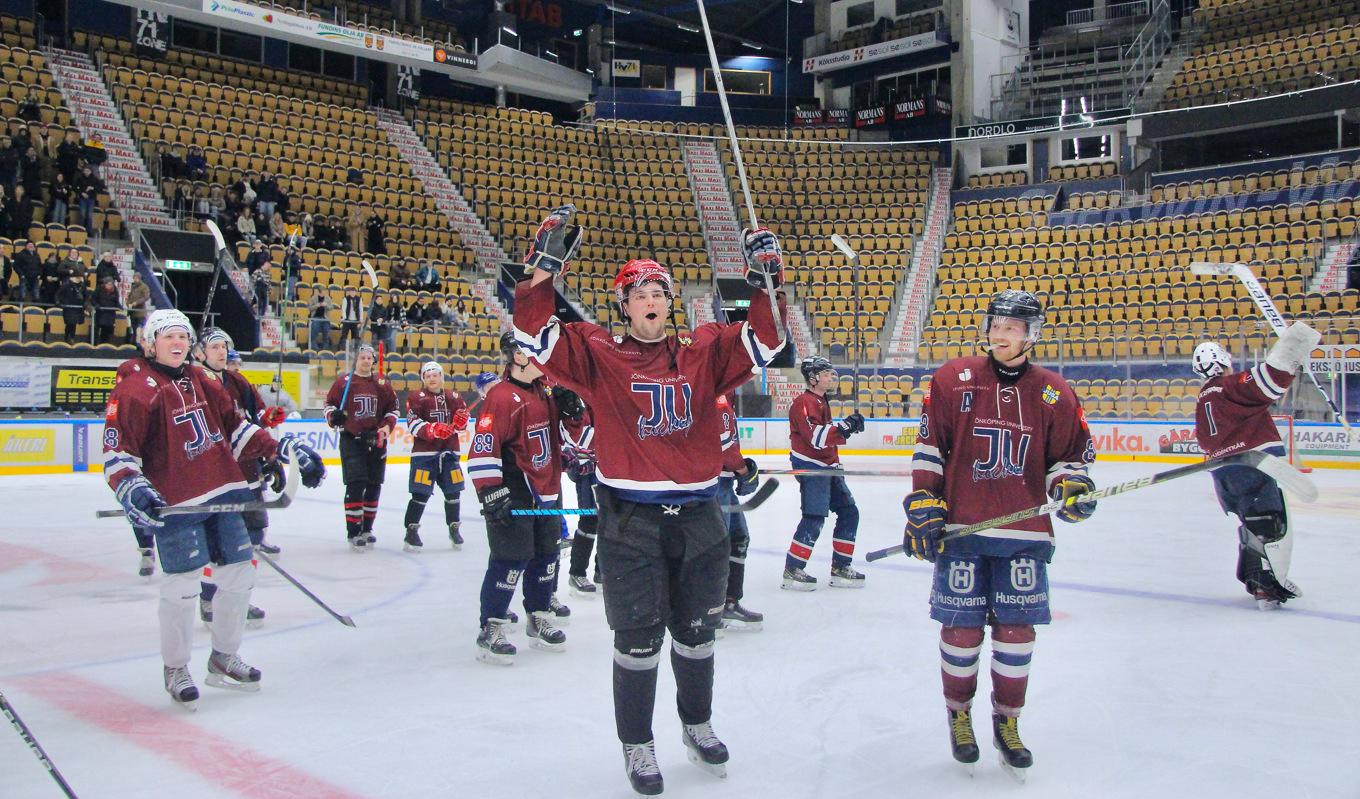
pixel 1232 416
pixel 998 434
pixel 815 441
pixel 514 461
pixel 663 547
pixel 578 460
pixel 368 416
pixel 172 438
pixel 434 415
pixel 739 477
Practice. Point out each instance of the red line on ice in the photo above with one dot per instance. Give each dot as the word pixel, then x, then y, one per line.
pixel 61 569
pixel 213 758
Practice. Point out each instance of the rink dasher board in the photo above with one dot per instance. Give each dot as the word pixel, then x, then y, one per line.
pixel 56 446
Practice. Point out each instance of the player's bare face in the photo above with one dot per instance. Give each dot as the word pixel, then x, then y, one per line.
pixel 363 363
pixel 648 307
pixel 1007 338
pixel 172 347
pixel 525 368
pixel 824 381
pixel 433 382
pixel 215 355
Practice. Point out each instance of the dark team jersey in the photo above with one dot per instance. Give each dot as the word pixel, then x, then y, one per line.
pixel 578 434
pixel 424 408
pixel 657 430
pixel 1233 412
pixel 990 448
pixel 731 438
pixel 371 403
pixel 814 442
pixel 517 434
pixel 248 404
pixel 183 434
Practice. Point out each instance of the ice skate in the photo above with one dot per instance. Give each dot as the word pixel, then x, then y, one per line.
pixel 269 549
pixel 582 587
pixel 1015 758
pixel 230 672
pixel 845 577
pixel 961 739
pixel 704 749
pixel 643 772
pixel 736 617
pixel 455 537
pixel 370 537
pixel 147 566
pixel 1269 592
pixel 561 613
pixel 254 618
pixel 543 633
pixel 492 646
pixel 412 542
pixel 180 685
pixel 798 580
pixel 358 544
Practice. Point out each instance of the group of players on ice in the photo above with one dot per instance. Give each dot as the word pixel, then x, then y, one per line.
pixel 645 425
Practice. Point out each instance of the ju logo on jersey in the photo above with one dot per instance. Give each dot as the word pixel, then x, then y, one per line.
pixel 365 406
pixel 203 435
pixel 669 410
pixel 1005 455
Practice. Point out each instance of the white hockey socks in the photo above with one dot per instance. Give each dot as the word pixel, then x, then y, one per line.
pixel 234 582
pixel 179 595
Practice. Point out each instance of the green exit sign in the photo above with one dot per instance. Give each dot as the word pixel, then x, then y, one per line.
pixel 180 266
pixel 741 303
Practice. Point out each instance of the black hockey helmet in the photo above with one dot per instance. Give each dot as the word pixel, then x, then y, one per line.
pixel 813 366
pixel 1016 304
pixel 509 346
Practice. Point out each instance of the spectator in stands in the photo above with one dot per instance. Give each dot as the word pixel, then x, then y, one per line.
pixel 277 230
pixel 6 293
pixel 202 207
pixel 378 320
pixel 29 267
pixel 72 266
pixel 433 312
pixel 138 305
pixel 319 332
pixel 453 317
pixel 414 313
pixel 182 204
pixel 217 204
pixel 354 229
pixel 93 153
pixel 257 257
pixel 292 231
pixel 400 278
pixel 306 230
pixel 350 315
pixel 29 110
pixel 196 164
pixel 1353 274
pixel 427 278
pixel 68 156
pixel 171 165
pixel 88 187
pixel 354 176
pixel 267 194
pixel 40 135
pixel 9 162
pixel 377 234
pixel 32 171
pixel 292 271
pixel 107 304
pixel 263 282
pixel 51 279
pixel 61 195
pixel 106 268
pixel 20 213
pixel 245 225
pixel 246 188
pixel 72 297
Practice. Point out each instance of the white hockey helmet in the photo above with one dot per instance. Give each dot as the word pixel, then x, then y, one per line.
pixel 430 366
pixel 1210 360
pixel 163 319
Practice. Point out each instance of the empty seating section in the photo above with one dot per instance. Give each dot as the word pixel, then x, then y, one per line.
pixel 379 19
pixel 1094 199
pixel 874 33
pixel 807 189
pixel 879 394
pixel 1256 48
pixel 1254 181
pixel 1084 171
pixel 992 179
pixel 1146 398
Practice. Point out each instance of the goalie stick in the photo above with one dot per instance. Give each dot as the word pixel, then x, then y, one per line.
pixel 33 744
pixel 757 499
pixel 283 500
pixel 1289 478
pixel 1272 314
pixel 345 620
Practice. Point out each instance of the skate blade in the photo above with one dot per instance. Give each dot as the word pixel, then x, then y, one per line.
pixel 562 621
pixel 189 707
pixel 145 572
pixel 254 624
pixel 494 659
pixel 584 594
pixel 794 585
pixel 456 547
pixel 222 681
pixel 1017 774
pixel 742 626
pixel 840 582
pixel 410 548
pixel 718 770
pixel 1267 604
pixel 539 643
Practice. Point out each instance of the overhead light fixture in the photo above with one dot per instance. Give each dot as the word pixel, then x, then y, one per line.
pixel 686 28
pixel 590 71
pixel 609 42
pixel 616 9
pixel 509 30
pixel 550 54
pixel 752 46
pixel 577 32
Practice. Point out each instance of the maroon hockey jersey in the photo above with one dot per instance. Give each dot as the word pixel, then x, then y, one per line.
pixel 657 428
pixel 732 459
pixel 578 434
pixel 371 403
pixel 1233 412
pixel 814 441
pixel 424 408
pixel 517 432
pixel 991 448
pixel 183 434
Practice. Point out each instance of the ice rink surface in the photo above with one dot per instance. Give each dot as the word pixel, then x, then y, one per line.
pixel 1158 678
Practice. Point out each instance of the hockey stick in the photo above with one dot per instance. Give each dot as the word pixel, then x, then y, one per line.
pixel 837 473
pixel 363 323
pixel 849 253
pixel 757 499
pixel 741 165
pixel 1287 476
pixel 33 744
pixel 345 620
pixel 283 500
pixel 1272 314
pixel 218 271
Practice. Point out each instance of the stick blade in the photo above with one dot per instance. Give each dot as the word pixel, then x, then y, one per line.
pixel 1289 478
pixel 346 620
pixel 217 235
pixel 843 246
pixel 1210 268
pixel 372 275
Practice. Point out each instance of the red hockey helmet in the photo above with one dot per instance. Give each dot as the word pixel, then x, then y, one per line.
pixel 639 271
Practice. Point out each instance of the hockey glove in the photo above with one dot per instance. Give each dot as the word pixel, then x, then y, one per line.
pixel 336 418
pixel 763 257
pixel 926 512
pixel 569 403
pixel 271 473
pixel 460 419
pixel 584 465
pixel 1072 485
pixel 438 430
pixel 555 242
pixel 309 463
pixel 495 504
pixel 140 500
pixel 856 422
pixel 746 483
pixel 272 416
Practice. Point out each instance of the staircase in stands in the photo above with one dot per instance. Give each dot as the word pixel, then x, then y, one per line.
pixel 722 229
pixel 1331 275
pixel 131 187
pixel 918 290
